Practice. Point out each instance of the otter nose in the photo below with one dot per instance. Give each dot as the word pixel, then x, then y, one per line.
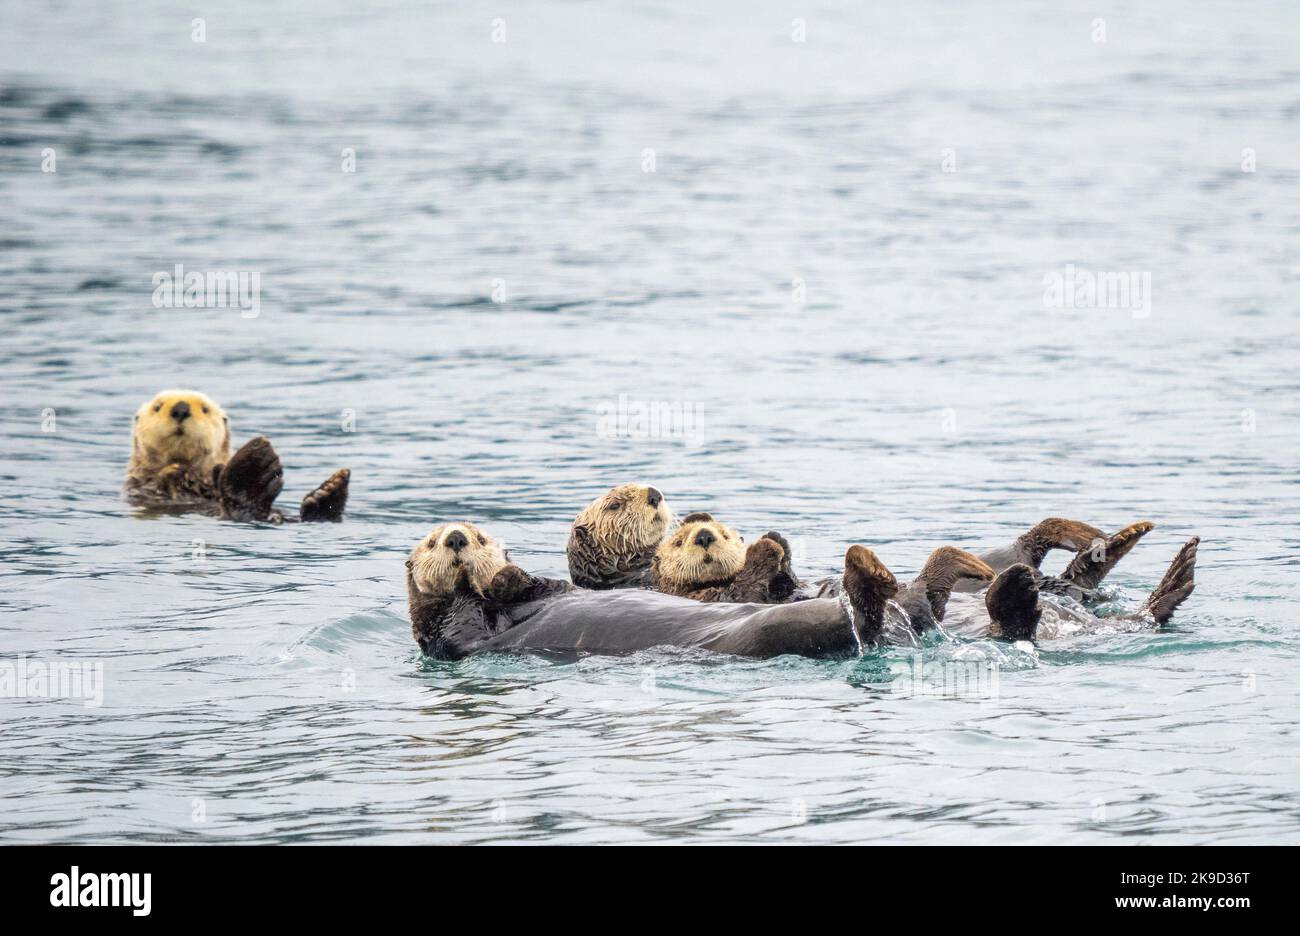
pixel 456 541
pixel 181 411
pixel 654 497
pixel 704 538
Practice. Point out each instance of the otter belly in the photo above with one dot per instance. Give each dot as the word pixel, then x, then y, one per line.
pixel 626 621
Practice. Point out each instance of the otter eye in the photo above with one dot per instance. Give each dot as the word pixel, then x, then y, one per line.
pixel 616 505
pixel 205 409
pixel 157 407
pixel 433 541
pixel 482 540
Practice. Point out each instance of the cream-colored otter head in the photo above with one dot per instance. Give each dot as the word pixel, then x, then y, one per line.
pixel 613 540
pixel 180 427
pixel 453 557
pixel 700 552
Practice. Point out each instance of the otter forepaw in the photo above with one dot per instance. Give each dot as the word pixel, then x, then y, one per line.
pixel 328 500
pixel 251 481
pixel 785 582
pixel 511 585
pixel 778 539
pixel 766 556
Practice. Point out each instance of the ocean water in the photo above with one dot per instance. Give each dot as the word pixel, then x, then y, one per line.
pixel 619 205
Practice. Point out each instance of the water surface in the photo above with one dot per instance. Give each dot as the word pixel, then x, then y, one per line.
pixel 261 684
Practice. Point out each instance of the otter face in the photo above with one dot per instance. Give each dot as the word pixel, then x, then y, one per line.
pixel 455 555
pixel 181 427
pixel 699 552
pixel 625 520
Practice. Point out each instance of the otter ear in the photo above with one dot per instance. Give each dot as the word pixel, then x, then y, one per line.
pixel 583 533
pixel 410 564
pixel 698 517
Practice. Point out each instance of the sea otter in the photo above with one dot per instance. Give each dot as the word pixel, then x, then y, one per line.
pixel 180 459
pixel 1015 611
pixel 612 542
pixel 466 597
pixel 707 560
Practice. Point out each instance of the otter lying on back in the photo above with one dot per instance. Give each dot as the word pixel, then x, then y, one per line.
pixel 707 561
pixel 180 458
pixel 465 597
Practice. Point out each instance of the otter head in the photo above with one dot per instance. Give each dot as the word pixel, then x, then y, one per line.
pixel 455 557
pixel 614 537
pixel 180 427
pixel 700 552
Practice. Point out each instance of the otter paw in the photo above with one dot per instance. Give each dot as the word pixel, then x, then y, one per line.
pixel 172 478
pixel 780 541
pixel 785 582
pixel 328 500
pixel 765 555
pixel 511 585
pixel 251 481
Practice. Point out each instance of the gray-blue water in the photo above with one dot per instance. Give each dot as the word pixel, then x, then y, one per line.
pixel 861 340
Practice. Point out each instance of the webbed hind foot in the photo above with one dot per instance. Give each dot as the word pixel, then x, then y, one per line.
pixel 326 503
pixel 1093 563
pixel 1012 601
pixel 869 586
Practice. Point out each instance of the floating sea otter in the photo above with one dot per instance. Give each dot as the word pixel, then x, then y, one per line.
pixel 466 597
pixel 180 459
pixel 705 560
pixel 708 561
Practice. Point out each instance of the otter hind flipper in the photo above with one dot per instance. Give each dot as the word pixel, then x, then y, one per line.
pixel 1056 533
pixel 1093 562
pixel 328 500
pixel 925 599
pixel 1012 601
pixel 1178 583
pixel 251 481
pixel 869 586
